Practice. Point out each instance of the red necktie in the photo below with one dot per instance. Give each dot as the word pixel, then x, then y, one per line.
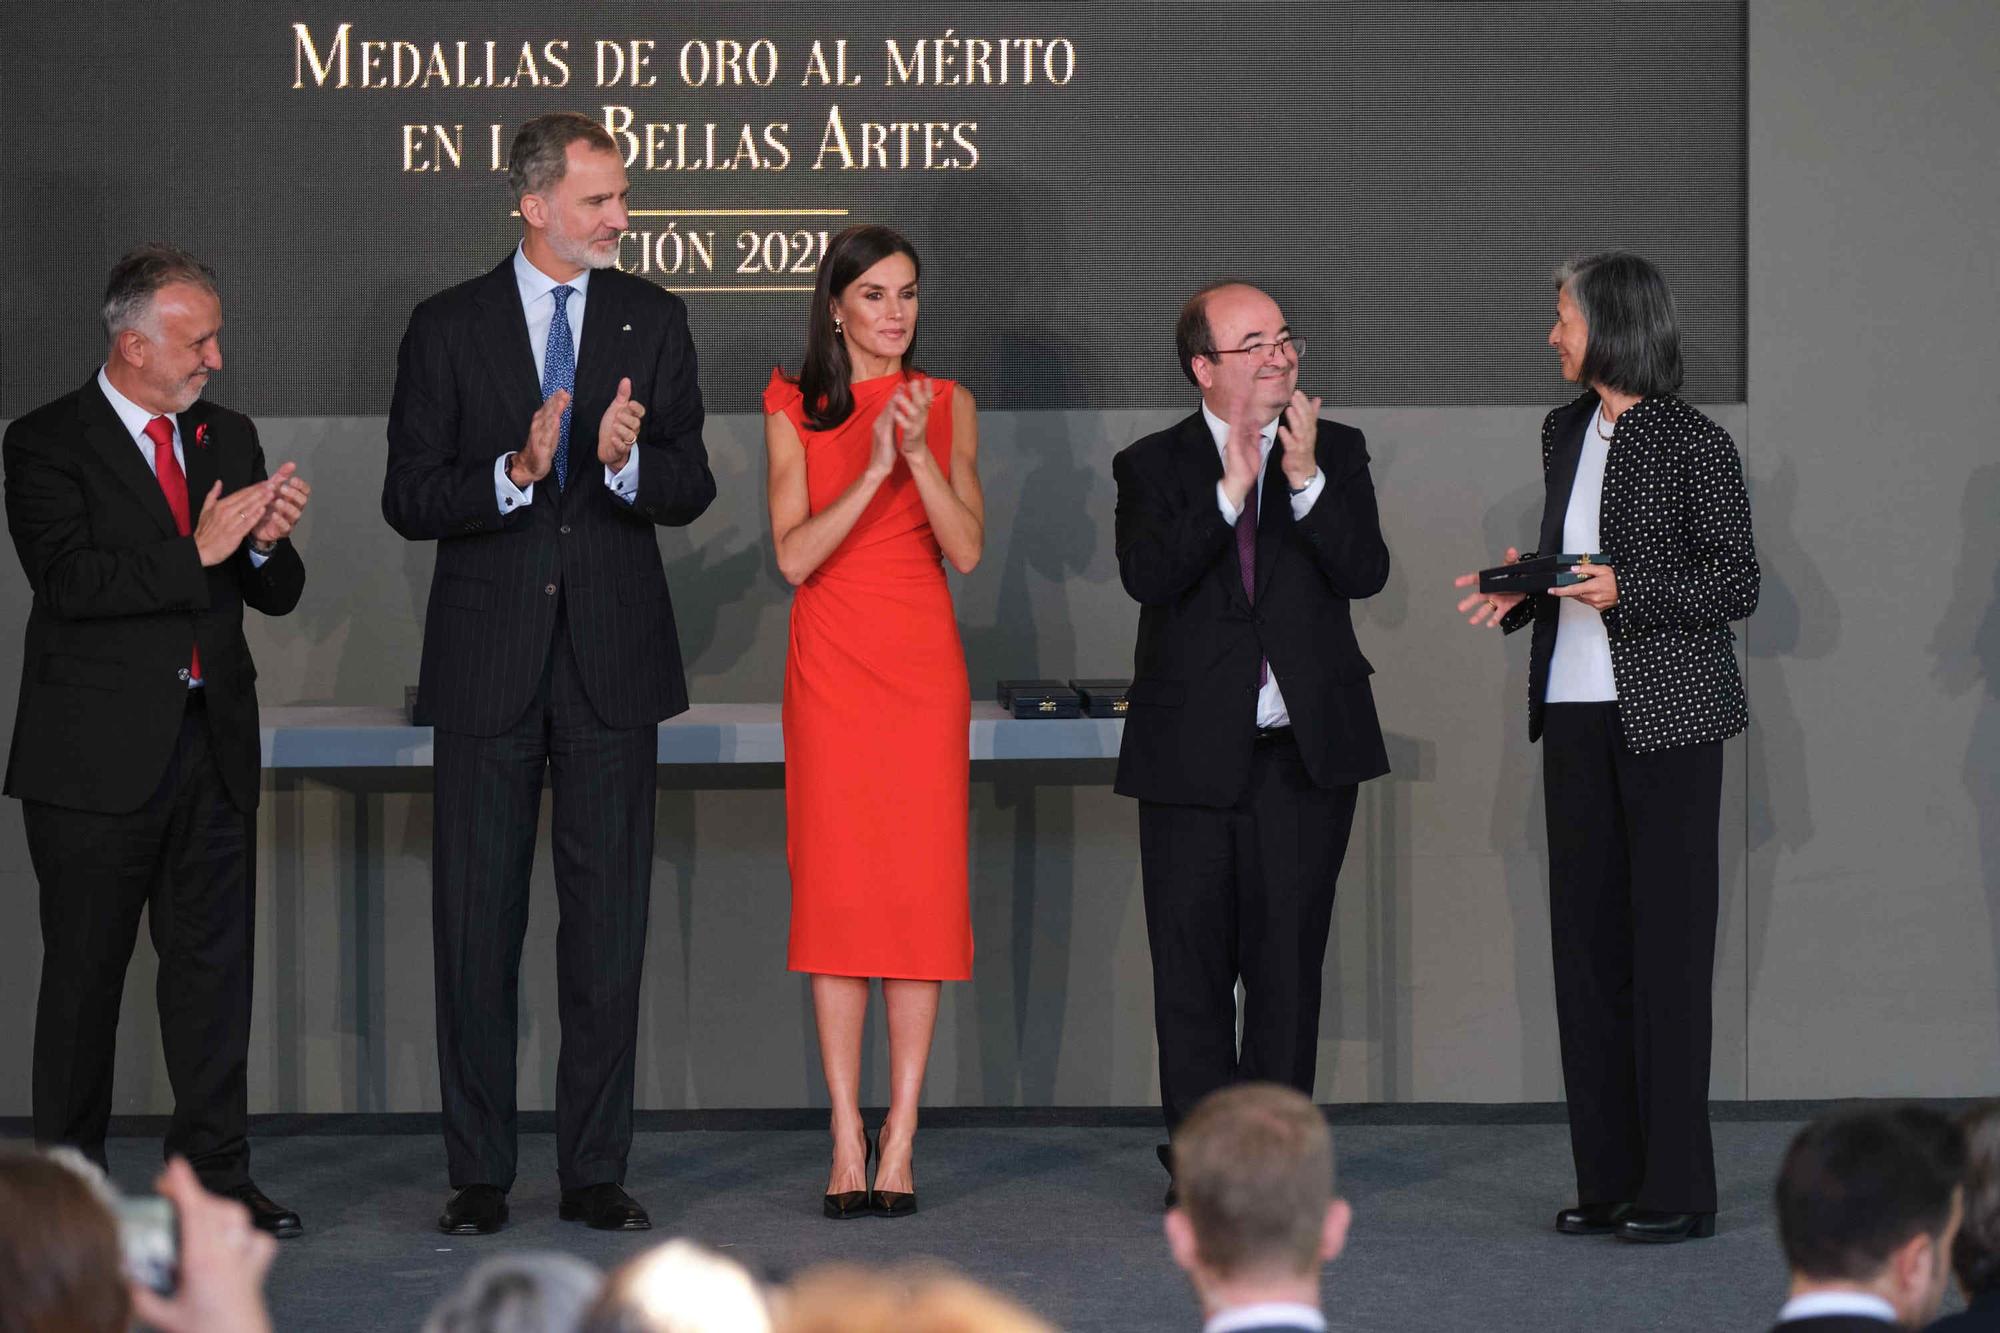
pixel 174 485
pixel 1246 556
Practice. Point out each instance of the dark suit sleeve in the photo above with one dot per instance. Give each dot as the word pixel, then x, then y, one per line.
pixel 49 520
pixel 1721 583
pixel 675 485
pixel 275 586
pixel 430 491
pixel 1342 529
pixel 1163 548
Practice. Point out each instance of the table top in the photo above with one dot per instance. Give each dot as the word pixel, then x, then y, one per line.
pixel 363 736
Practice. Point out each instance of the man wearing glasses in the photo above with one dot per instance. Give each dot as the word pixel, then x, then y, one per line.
pixel 1244 531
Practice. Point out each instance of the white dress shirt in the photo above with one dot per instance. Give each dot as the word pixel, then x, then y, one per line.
pixel 1580 667
pixel 1820 1304
pixel 1271 710
pixel 1271 1314
pixel 538 303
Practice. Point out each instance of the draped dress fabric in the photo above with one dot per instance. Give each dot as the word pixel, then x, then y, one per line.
pixel 876 713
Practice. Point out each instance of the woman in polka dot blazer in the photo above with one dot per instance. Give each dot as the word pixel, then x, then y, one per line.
pixel 1632 679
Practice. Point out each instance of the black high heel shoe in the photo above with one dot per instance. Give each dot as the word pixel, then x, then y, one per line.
pixel 896 1203
pixel 852 1203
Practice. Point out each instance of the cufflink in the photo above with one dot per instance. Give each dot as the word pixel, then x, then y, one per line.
pixel 626 329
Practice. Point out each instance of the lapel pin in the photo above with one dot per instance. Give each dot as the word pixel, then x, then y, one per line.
pixel 626 329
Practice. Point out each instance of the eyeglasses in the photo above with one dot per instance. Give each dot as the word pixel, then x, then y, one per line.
pixel 1292 346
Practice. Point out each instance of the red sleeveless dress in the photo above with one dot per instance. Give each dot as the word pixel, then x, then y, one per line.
pixel 876 713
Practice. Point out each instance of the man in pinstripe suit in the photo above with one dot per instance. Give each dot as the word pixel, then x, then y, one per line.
pixel 546 417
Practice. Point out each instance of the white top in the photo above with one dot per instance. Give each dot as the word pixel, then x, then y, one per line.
pixel 1580 668
pixel 1270 1314
pixel 1271 711
pixel 538 303
pixel 1820 1304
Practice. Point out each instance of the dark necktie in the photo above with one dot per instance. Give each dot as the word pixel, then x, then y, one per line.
pixel 1246 556
pixel 559 372
pixel 174 485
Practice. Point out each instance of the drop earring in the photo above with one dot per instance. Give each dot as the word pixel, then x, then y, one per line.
pixel 836 324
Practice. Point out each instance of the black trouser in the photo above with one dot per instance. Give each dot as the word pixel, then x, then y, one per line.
pixel 1243 892
pixel 184 858
pixel 1633 883
pixel 489 795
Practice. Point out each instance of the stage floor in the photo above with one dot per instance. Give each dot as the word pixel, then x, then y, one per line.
pixel 1452 1221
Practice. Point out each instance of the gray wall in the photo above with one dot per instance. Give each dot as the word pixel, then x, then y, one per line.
pixel 1861 837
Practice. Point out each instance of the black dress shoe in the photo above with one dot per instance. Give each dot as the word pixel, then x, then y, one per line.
pixel 847 1204
pixel 1592 1219
pixel 604 1207
pixel 476 1210
pixel 265 1215
pixel 1650 1226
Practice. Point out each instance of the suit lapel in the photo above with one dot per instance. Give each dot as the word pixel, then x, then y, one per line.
pixel 1274 515
pixel 597 358
pixel 1201 468
pixel 119 453
pixel 1562 475
pixel 503 336
pixel 199 462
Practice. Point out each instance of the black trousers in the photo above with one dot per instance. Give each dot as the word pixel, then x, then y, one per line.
pixel 489 795
pixel 1633 887
pixel 1241 893
pixel 185 860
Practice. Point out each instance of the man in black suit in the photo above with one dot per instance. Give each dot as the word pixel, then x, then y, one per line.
pixel 1868 1203
pixel 145 523
pixel 546 418
pixel 1257 1217
pixel 1244 531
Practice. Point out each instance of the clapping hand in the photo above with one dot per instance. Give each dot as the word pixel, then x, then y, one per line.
pixel 227 519
pixel 289 493
pixel 534 459
pixel 618 432
pixel 911 404
pixel 1298 434
pixel 1242 454
pixel 1487 608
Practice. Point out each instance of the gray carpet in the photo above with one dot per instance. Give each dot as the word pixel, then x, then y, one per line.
pixel 1451 1224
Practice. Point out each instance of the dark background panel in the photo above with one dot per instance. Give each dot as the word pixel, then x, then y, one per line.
pixel 1402 176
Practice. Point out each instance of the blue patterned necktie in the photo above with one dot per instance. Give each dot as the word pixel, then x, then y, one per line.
pixel 559 372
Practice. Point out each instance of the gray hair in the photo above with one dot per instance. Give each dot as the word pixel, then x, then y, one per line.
pixel 1634 343
pixel 138 276
pixel 535 1291
pixel 540 155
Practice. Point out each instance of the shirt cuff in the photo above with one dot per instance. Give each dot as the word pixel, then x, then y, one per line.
pixel 1230 512
pixel 624 483
pixel 507 497
pixel 257 557
pixel 1302 501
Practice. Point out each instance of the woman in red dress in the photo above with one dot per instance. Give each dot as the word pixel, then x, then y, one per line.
pixel 873 477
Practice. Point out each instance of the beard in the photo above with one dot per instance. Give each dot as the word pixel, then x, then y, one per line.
pixel 578 251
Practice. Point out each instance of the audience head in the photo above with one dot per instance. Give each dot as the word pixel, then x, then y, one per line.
pixel 914 1299
pixel 163 318
pixel 864 304
pixel 1257 1216
pixel 678 1287
pixel 1236 347
pixel 1869 1200
pixel 536 1291
pixel 570 185
pixel 1975 1255
pixel 61 1265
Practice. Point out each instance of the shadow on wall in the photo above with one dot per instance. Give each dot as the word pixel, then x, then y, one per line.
pixel 1798 617
pixel 1040 536
pixel 1966 655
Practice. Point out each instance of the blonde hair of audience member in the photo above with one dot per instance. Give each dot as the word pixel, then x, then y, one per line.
pixel 61 1265
pixel 532 1291
pixel 1975 1251
pixel 913 1299
pixel 1257 1216
pixel 679 1287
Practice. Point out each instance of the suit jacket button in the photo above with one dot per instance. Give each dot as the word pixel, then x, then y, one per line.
pixel 564 529
pixel 550 590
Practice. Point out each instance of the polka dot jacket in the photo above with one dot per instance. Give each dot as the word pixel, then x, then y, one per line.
pixel 1675 525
